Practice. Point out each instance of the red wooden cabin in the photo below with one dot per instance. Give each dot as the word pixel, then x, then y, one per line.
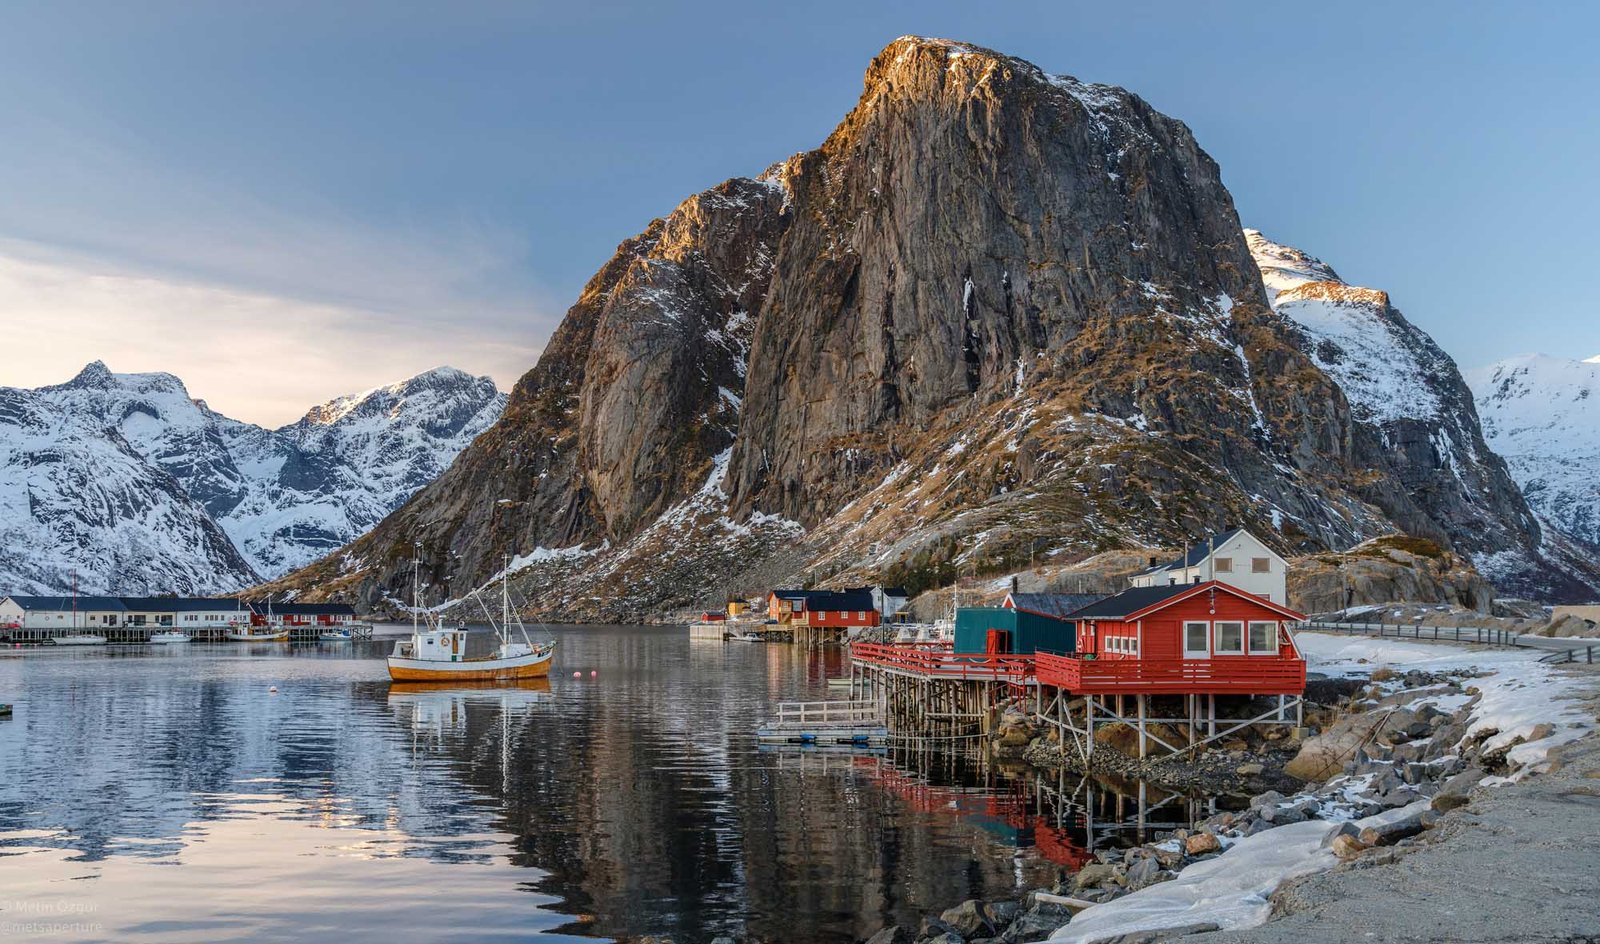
pixel 1207 638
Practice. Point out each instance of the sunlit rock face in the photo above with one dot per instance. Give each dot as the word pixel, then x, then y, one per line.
pixel 997 313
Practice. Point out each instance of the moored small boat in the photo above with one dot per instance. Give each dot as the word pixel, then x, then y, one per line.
pixel 436 654
pixel 747 637
pixel 335 635
pixel 79 639
pixel 170 637
pixel 257 634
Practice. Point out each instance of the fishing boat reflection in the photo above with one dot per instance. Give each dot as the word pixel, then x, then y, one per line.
pixel 436 710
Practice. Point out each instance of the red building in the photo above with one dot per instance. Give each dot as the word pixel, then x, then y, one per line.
pixel 1207 638
pixel 823 609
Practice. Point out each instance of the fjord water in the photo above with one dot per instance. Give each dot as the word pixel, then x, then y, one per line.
pixel 169 794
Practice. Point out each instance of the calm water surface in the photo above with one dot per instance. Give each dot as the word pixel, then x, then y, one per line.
pixel 166 794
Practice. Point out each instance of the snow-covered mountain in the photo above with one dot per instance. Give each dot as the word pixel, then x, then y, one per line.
pixel 1542 414
pixel 138 486
pixel 1408 394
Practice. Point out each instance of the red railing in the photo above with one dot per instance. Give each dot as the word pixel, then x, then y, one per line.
pixel 940 661
pixel 1244 674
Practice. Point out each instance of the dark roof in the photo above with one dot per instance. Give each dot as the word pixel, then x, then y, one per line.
pixel 1197 552
pixel 1130 601
pixel 895 592
pixel 305 609
pixel 181 604
pixel 1059 605
pixel 99 604
pixel 835 600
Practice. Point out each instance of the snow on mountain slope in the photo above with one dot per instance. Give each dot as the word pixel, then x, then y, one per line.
pixel 1542 414
pixel 1384 365
pixel 78 496
pixel 325 480
pixel 147 487
pixel 1407 393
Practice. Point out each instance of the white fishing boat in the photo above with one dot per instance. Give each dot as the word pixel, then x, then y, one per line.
pixel 435 654
pixel 169 637
pixel 747 637
pixel 79 639
pixel 335 635
pixel 257 634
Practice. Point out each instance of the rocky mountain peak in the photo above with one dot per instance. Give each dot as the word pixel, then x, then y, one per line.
pixel 1285 267
pixel 94 374
pixel 995 310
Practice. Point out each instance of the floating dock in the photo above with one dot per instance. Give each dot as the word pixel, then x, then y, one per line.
pixel 826 723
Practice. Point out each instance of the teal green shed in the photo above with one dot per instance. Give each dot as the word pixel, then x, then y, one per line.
pixel 983 629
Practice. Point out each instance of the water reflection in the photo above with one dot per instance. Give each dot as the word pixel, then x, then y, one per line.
pixel 634 801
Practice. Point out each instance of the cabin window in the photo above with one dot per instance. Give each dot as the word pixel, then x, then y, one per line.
pixel 1260 565
pixel 1230 639
pixel 1263 639
pixel 1196 640
pixel 1224 565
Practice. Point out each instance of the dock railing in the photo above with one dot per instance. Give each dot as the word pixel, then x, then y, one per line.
pixel 827 712
pixel 940 661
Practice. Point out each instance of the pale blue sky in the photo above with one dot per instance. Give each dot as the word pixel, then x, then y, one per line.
pixel 373 189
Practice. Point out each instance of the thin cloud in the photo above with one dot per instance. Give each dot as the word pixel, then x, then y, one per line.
pixel 252 355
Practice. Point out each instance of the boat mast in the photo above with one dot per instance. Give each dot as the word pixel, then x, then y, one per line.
pixel 74 599
pixel 416 564
pixel 505 599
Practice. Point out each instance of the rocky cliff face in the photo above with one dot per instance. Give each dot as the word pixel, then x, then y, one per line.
pixel 997 314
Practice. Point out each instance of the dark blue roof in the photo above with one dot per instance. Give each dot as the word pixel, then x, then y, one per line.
pixel 98 604
pixel 181 604
pixel 305 609
pixel 1197 553
pixel 836 600
pixel 1130 601
pixel 1060 605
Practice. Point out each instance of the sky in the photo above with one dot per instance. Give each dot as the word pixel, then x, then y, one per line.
pixel 282 202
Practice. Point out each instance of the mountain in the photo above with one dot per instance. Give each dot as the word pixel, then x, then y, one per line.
pixel 997 314
pixel 1543 414
pixel 138 486
pixel 1416 412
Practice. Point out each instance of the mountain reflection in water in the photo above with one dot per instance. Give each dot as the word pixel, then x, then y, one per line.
pixel 172 795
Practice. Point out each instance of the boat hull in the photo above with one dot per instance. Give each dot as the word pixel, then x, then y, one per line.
pixel 426 670
pixel 234 636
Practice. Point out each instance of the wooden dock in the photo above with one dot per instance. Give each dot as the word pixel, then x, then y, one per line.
pixel 854 723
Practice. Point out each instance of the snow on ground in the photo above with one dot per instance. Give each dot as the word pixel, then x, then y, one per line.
pixel 1231 891
pixel 1518 692
pixel 1517 695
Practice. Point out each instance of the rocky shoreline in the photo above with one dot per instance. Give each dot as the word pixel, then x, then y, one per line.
pixel 1390 762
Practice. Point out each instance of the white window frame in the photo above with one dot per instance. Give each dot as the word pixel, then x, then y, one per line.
pixel 1261 560
pixel 1250 642
pixel 1205 651
pixel 1216 637
pixel 1222 565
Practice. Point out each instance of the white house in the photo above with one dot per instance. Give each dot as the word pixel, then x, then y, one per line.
pixel 1236 557
pixel 60 612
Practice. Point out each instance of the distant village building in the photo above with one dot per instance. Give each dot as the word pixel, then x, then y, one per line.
pixel 1237 558
pixel 836 608
pixel 60 612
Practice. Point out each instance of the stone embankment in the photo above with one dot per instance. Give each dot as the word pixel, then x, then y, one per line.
pixel 1393 752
